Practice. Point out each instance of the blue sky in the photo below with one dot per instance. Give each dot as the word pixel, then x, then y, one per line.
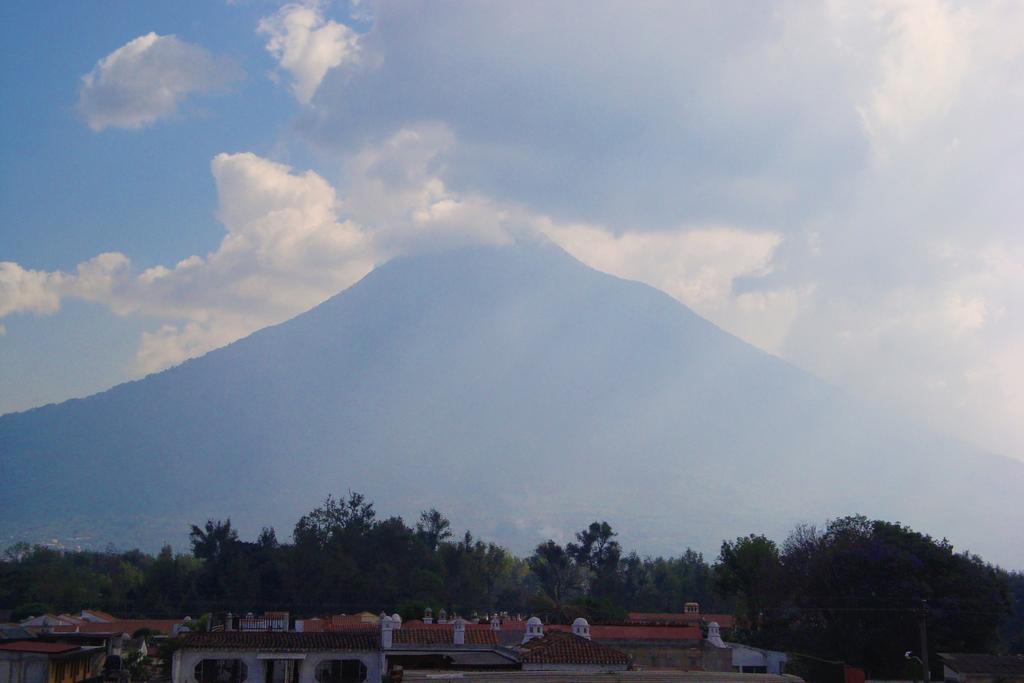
pixel 837 184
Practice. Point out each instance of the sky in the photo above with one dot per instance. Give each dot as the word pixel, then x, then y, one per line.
pixel 837 183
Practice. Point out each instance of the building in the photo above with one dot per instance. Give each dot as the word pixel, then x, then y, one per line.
pixel 32 661
pixel 754 660
pixel 364 653
pixel 278 657
pixel 961 667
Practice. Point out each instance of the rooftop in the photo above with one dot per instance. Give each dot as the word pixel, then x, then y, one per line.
pixel 283 641
pixel 997 665
pixel 566 648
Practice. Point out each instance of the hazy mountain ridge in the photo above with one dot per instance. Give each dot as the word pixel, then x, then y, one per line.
pixel 515 389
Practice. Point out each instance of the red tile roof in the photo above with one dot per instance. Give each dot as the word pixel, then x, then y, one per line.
pixel 129 626
pixel 566 648
pixel 429 635
pixel 620 631
pixel 283 641
pixel 33 646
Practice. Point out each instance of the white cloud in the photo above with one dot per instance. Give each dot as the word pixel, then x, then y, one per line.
pixel 146 80
pixel 40 292
pixel 924 53
pixel 307 46
pixel 700 266
pixel 24 290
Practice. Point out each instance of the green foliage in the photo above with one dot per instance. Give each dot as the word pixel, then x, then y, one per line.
pixel 855 592
pixel 749 570
pixel 847 593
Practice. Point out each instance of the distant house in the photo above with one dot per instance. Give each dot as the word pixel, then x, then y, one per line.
pixel 961 667
pixel 33 661
pixel 754 660
pixel 277 657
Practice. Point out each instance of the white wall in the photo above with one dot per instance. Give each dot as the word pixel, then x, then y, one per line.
pixel 184 663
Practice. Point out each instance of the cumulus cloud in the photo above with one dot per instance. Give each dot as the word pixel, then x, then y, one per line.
pixel 146 80
pixel 307 46
pixel 24 290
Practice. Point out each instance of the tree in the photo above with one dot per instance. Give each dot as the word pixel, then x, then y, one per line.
pixel 749 570
pixel 354 515
pixel 557 574
pixel 859 586
pixel 433 528
pixel 598 553
pixel 214 540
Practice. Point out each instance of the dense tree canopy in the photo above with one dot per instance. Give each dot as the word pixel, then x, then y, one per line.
pixel 858 590
pixel 851 592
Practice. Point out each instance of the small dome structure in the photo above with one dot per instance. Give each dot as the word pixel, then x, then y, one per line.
pixel 534 629
pixel 715 635
pixel 581 628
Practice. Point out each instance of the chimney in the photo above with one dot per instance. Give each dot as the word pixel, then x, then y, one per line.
pixel 714 635
pixel 459 632
pixel 581 628
pixel 534 629
pixel 387 627
pixel 428 616
pixel 495 623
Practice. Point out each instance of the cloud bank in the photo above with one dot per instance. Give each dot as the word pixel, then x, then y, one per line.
pixel 146 80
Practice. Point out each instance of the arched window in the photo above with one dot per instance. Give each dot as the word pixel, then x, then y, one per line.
pixel 341 671
pixel 221 671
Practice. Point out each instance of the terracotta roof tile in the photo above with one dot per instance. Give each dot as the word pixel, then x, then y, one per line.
pixel 427 635
pixel 284 641
pixel 129 626
pixel 566 648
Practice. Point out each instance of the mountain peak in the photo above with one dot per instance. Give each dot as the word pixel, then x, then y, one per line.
pixel 512 387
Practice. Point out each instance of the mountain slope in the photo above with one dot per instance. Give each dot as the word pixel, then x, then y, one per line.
pixel 513 388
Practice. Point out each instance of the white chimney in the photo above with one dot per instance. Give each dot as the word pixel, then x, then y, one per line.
pixel 387 628
pixel 581 628
pixel 459 632
pixel 714 635
pixel 428 616
pixel 534 629
pixel 495 623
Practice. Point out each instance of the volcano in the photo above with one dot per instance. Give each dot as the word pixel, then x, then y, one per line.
pixel 518 391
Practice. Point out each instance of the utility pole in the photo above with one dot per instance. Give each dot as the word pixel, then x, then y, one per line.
pixel 924 642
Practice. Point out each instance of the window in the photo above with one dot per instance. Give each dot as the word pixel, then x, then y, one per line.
pixel 341 671
pixel 221 671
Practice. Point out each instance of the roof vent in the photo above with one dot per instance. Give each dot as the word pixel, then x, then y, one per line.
pixel 534 629
pixel 714 635
pixel 581 628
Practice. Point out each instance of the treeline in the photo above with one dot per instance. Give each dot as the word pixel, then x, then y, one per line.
pixel 852 591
